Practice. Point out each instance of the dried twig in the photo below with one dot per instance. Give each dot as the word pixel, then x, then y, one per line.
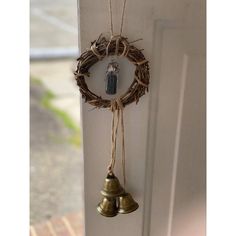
pixel 121 47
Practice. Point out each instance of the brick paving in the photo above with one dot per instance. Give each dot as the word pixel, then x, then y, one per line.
pixel 68 225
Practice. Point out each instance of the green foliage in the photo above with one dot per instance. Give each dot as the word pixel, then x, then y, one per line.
pixel 35 81
pixel 75 139
pixel 46 102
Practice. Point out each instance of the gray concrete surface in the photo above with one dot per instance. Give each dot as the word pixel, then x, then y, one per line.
pixel 56 166
pixel 53 23
pixel 57 76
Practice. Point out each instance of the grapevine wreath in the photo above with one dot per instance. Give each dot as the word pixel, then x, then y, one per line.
pixel 116 46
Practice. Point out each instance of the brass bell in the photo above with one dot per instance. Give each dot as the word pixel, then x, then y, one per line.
pixel 107 207
pixel 126 204
pixel 112 187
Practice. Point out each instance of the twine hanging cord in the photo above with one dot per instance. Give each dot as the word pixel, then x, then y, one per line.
pixel 117 119
pixel 122 18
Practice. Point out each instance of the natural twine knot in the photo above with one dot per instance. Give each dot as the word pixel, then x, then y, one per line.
pixel 95 51
pixel 116 104
pixel 117 118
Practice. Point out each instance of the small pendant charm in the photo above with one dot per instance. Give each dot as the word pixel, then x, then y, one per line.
pixel 112 77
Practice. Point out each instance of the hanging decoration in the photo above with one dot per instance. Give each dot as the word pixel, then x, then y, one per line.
pixel 115 197
pixel 112 77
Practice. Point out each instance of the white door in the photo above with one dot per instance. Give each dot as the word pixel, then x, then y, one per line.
pixel 165 132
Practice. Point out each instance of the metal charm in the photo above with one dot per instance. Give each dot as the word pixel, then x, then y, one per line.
pixel 112 187
pixel 111 190
pixel 115 200
pixel 112 78
pixel 126 204
pixel 107 207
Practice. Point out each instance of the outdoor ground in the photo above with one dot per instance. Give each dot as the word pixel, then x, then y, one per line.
pixel 53 24
pixel 56 162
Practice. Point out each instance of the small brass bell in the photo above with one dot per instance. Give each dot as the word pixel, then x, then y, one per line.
pixel 126 204
pixel 107 207
pixel 112 187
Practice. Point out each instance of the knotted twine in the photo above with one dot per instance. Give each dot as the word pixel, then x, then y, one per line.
pixel 117 119
pixel 116 105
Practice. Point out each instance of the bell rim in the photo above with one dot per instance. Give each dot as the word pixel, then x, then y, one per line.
pixel 112 194
pixel 100 210
pixel 129 210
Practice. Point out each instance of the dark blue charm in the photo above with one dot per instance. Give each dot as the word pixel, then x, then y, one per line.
pixel 112 78
pixel 111 83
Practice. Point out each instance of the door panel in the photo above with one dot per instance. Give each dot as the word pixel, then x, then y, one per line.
pixel 164 133
pixel 179 167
